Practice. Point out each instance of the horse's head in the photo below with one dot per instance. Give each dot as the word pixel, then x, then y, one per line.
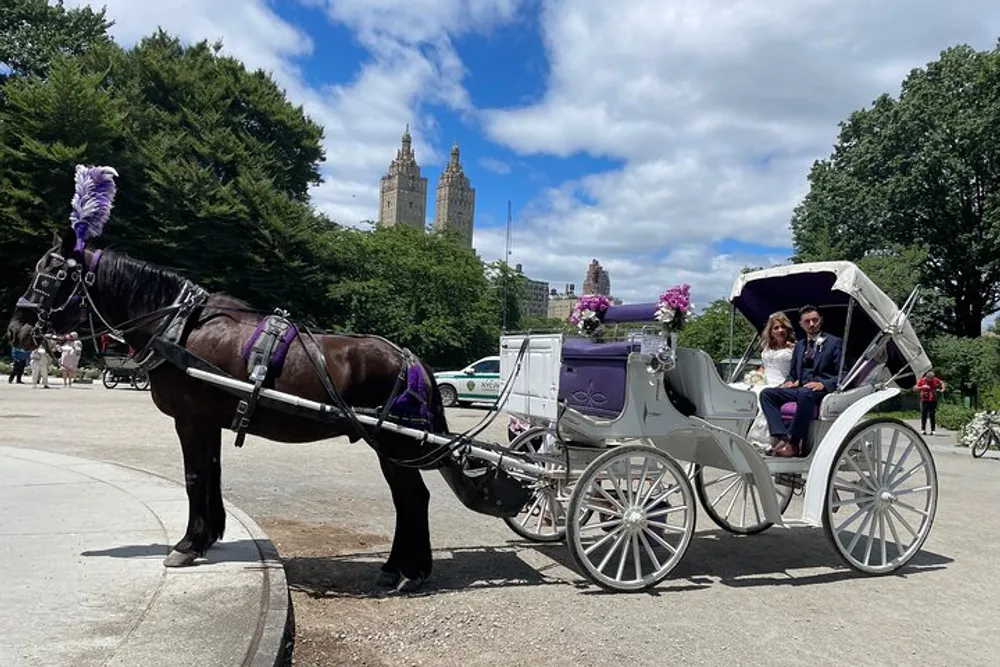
pixel 56 299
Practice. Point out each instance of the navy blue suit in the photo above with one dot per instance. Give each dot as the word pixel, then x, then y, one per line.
pixel 823 366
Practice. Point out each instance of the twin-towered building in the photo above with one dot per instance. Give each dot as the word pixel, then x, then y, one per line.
pixel 403 195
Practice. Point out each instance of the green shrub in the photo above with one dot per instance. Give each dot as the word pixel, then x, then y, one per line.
pixel 6 367
pixel 954 417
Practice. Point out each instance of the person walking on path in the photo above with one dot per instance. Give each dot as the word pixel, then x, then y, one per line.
pixel 20 358
pixel 40 366
pixel 929 386
pixel 69 358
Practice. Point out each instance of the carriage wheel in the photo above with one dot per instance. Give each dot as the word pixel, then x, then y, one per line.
pixel 140 381
pixel 108 379
pixel 648 520
pixel 736 494
pixel 983 443
pixel 543 517
pixel 883 489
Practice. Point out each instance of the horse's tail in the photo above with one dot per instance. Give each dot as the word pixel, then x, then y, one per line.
pixel 439 424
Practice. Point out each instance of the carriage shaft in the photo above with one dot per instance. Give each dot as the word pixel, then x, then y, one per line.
pixel 473 449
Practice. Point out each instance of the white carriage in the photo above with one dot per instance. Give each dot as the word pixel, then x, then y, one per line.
pixel 629 437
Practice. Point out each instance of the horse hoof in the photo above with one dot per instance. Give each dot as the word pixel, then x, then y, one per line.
pixel 407 585
pixel 179 559
pixel 387 579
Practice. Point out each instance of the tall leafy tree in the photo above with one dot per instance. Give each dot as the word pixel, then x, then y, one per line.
pixel 920 170
pixel 33 33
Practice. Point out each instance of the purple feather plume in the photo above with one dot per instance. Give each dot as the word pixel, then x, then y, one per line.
pixel 95 193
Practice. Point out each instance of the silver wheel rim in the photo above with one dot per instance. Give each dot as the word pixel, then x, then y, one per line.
pixel 642 518
pixel 543 518
pixel 882 498
pixel 733 498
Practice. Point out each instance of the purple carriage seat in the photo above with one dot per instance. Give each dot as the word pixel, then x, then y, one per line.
pixel 594 375
pixel 869 367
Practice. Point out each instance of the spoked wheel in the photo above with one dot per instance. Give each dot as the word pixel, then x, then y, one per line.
pixel 543 517
pixel 732 500
pixel 984 442
pixel 881 496
pixel 140 381
pixel 108 379
pixel 648 520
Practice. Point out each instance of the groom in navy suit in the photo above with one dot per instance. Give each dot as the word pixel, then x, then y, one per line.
pixel 815 372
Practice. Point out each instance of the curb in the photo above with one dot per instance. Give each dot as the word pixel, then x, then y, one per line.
pixel 273 640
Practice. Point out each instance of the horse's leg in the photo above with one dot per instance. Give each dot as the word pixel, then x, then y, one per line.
pixel 410 559
pixel 201 447
pixel 216 510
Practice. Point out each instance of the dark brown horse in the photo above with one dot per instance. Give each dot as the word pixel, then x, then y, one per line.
pixel 73 283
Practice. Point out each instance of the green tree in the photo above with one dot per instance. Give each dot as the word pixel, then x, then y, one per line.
pixel 921 170
pixel 420 290
pixel 709 331
pixel 215 168
pixel 33 33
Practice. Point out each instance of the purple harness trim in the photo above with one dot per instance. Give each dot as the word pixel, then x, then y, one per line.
pixel 414 398
pixel 280 351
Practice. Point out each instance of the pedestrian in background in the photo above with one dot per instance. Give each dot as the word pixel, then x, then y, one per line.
pixel 20 358
pixel 40 366
pixel 930 387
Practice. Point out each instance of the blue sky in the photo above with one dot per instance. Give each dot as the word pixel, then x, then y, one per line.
pixel 670 140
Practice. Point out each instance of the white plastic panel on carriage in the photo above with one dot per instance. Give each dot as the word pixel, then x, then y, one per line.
pixel 535 390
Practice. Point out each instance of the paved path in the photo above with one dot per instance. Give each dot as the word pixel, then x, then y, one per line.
pixel 81 550
pixel 779 598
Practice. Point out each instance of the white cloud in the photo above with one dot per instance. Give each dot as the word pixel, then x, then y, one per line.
pixel 412 62
pixel 494 165
pixel 717 110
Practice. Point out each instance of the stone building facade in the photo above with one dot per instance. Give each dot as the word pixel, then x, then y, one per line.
pixel 597 281
pixel 456 200
pixel 403 195
pixel 403 192
pixel 535 301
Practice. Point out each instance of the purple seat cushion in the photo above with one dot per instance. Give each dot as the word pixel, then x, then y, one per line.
pixel 593 376
pixel 788 411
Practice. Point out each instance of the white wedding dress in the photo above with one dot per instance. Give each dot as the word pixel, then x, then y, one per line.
pixel 777 367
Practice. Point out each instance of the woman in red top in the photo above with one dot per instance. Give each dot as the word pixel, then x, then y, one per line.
pixel 929 387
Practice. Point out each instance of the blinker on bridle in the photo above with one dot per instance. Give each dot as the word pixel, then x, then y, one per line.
pixel 46 285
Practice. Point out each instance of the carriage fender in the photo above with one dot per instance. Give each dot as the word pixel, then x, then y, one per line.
pixel 826 452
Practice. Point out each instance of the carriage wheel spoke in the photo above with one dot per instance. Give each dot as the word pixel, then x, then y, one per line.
pixel 903 521
pixel 622 536
pixel 663 542
pixel 862 508
pixel 650 551
pixel 636 558
pixel 881 533
pixel 603 509
pixel 908 475
pixel 657 483
pixel 887 464
pixel 611 499
pixel 598 544
pixel 899 464
pixel 665 511
pixel 861 473
pixel 743 511
pixel 919 489
pixel 666 527
pixel 871 537
pixel 895 536
pixel 860 531
pixel 910 507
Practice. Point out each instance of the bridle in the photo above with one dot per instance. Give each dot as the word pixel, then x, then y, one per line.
pixel 46 285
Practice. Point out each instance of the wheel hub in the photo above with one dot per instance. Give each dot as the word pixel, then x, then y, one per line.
pixel 634 519
pixel 885 498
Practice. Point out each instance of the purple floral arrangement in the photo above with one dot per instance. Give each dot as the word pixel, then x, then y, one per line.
pixel 674 306
pixel 588 312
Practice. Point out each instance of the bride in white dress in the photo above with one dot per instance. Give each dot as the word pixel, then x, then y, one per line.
pixel 776 355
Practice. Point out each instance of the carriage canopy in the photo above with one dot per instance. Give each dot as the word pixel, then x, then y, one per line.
pixel 830 286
